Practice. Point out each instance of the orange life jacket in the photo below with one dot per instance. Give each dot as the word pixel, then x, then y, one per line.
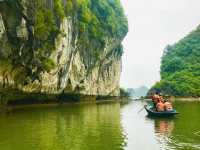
pixel 160 106
pixel 168 106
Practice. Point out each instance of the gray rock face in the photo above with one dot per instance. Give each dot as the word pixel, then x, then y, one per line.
pixel 22 30
pixel 2 28
pixel 4 46
pixel 71 74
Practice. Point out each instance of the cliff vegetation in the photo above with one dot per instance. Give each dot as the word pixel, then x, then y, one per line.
pixel 180 67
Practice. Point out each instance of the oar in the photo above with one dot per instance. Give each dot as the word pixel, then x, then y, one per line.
pixel 141 109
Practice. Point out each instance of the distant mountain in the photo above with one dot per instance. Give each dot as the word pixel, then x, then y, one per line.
pixel 138 92
pixel 131 92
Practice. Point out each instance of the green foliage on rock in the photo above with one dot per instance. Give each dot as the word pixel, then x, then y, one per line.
pixel 102 18
pixel 69 8
pixel 44 24
pixel 59 9
pixel 98 21
pixel 180 69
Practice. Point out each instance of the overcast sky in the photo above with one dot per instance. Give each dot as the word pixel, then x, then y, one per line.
pixel 152 25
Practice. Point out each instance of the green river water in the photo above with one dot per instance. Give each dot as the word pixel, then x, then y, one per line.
pixel 102 126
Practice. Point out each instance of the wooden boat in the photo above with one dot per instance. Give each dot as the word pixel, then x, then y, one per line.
pixel 151 112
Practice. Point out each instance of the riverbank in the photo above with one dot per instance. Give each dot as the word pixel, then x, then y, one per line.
pixel 48 104
pixel 188 99
pixel 15 99
pixel 173 99
pixel 14 96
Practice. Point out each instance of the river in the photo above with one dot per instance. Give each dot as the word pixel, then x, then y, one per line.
pixel 101 126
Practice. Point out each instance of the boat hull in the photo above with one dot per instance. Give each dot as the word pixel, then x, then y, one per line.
pixel 154 113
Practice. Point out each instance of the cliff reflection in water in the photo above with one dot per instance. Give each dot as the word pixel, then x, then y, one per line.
pixel 75 127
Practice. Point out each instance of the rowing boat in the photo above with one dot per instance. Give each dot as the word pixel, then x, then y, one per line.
pixel 152 112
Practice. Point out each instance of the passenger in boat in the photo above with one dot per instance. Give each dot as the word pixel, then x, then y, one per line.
pixel 161 98
pixel 160 106
pixel 168 106
pixel 155 99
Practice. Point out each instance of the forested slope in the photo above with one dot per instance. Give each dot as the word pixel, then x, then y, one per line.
pixel 180 67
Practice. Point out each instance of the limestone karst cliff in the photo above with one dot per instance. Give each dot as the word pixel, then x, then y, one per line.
pixel 56 46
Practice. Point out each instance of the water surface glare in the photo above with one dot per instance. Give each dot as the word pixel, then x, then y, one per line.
pixel 102 126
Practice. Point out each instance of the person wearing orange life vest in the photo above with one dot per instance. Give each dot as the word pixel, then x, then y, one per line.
pixel 161 98
pixel 155 99
pixel 160 106
pixel 168 106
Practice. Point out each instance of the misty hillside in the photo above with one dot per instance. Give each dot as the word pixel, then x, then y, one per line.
pixel 138 92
